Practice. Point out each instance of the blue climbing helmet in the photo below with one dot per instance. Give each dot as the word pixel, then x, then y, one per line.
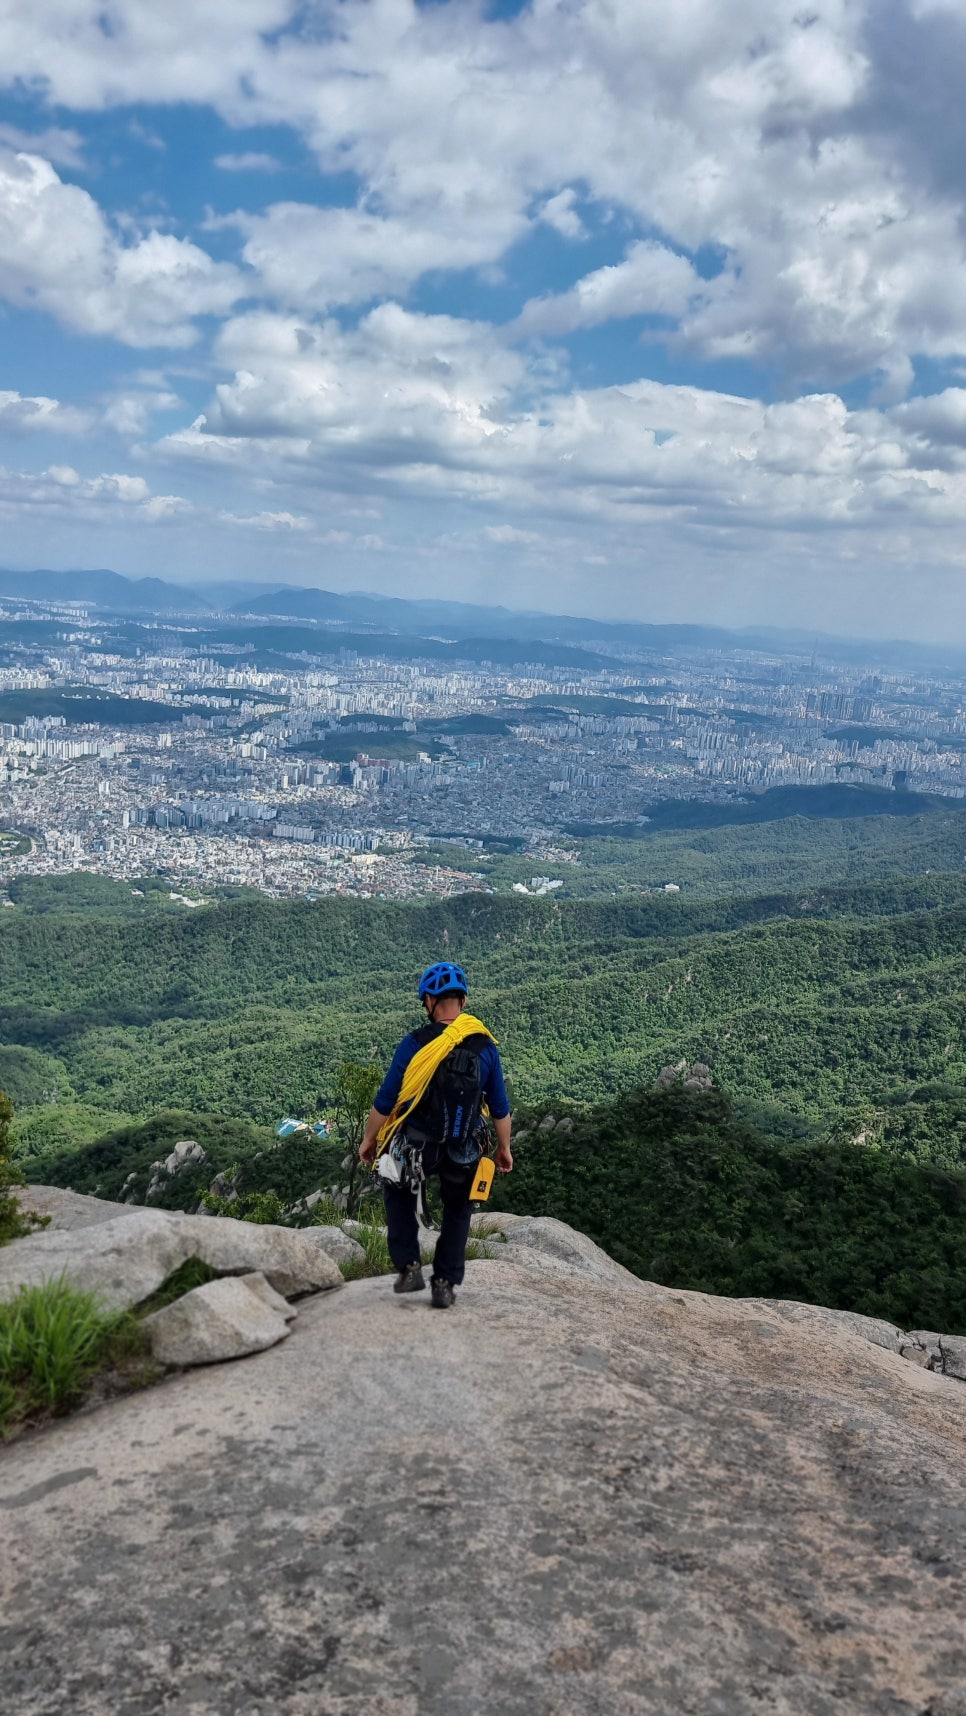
pixel 442 979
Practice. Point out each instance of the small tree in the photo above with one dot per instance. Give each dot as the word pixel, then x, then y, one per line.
pixel 14 1222
pixel 859 1123
pixel 356 1086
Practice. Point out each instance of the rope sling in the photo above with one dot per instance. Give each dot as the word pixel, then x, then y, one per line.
pixel 418 1074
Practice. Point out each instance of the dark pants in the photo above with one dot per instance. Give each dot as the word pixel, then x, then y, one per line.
pixel 402 1228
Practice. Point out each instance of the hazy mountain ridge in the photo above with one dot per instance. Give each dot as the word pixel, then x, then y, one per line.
pixel 451 621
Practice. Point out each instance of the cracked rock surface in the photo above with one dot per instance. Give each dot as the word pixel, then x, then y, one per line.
pixel 574 1494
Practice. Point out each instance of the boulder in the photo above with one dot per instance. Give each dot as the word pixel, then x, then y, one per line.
pixel 266 1293
pixel 222 1320
pixel 286 1257
pixel 189 1150
pixel 67 1210
pixel 540 1242
pixel 341 1247
pixel 917 1355
pixel 358 1227
pixel 922 1346
pixel 121 1261
pixel 223 1186
pixel 125 1260
pixel 696 1077
pixel 184 1154
pixel 953 1348
pixel 500 1221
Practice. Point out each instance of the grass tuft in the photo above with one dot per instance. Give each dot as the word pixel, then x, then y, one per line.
pixel 327 1213
pixel 374 1243
pixel 52 1340
pixel 190 1274
pixel 478 1247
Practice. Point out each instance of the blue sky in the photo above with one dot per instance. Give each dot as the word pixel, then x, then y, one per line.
pixel 622 308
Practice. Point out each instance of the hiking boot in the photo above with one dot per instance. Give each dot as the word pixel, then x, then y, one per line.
pixel 442 1292
pixel 410 1279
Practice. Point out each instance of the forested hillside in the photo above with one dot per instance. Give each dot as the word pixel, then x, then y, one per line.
pixel 828 1164
pixel 794 850
pixel 680 1190
pixel 814 1008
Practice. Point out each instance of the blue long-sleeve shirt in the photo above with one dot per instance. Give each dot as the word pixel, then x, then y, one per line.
pixel 491 1078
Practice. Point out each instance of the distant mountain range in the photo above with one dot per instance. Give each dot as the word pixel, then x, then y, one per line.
pixel 102 588
pixel 452 621
pixel 421 618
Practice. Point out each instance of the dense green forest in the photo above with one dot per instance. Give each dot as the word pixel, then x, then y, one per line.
pixel 796 851
pixel 682 1191
pixel 120 1161
pixel 818 1010
pixel 672 1182
pixel 816 966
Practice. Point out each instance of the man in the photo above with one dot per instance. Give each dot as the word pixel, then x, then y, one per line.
pixel 409 1115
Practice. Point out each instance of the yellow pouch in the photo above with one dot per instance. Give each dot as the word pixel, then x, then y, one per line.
pixel 483 1181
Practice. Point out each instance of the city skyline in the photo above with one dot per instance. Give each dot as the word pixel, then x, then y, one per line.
pixel 303 760
pixel 604 310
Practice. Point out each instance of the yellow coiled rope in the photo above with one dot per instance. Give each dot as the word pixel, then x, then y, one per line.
pixel 421 1069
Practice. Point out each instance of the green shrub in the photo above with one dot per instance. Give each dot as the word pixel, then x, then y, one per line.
pixel 678 1188
pixel 326 1213
pixel 14 1222
pixel 357 1083
pixel 377 1260
pixel 266 1208
pixel 52 1339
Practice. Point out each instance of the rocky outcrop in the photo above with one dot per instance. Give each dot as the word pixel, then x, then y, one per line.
pixel 223 1186
pixel 188 1153
pixel 124 1260
pixel 226 1319
pixel 541 1243
pixel 945 1353
pixel 574 1493
pixel 65 1209
pixel 696 1076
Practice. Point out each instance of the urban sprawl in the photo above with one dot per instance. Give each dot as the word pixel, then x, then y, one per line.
pixel 341 772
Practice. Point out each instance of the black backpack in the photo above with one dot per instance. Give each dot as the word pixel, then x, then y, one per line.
pixel 449 1112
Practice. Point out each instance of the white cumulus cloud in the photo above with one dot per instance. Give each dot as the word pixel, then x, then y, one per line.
pixel 422 406
pixel 29 412
pixel 651 280
pixel 267 521
pixel 58 253
pixel 62 491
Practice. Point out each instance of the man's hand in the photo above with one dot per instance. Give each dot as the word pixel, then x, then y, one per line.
pixel 370 1137
pixel 503 1159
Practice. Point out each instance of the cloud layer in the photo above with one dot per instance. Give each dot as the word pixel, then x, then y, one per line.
pixel 500 307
